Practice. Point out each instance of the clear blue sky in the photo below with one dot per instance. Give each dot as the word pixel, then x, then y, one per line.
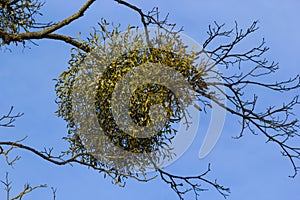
pixel 249 166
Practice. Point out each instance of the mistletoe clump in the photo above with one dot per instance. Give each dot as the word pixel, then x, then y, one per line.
pixel 85 96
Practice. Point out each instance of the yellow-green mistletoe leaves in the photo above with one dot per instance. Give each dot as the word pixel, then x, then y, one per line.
pixel 125 98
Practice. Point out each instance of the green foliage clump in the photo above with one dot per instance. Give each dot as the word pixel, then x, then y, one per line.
pixel 85 97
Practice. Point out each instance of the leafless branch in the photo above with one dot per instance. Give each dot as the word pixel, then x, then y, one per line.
pixel 69 40
pixel 152 17
pixel 278 124
pixel 27 189
pixel 184 184
pixel 83 158
pixel 8 119
pixel 54 192
pixel 7 185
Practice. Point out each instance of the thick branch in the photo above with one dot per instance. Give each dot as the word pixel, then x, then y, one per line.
pixel 46 33
pixel 79 158
pixel 69 40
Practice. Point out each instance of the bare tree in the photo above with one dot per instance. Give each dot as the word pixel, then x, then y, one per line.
pixel 277 124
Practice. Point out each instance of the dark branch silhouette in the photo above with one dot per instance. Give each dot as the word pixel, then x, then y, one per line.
pixel 277 123
pixel 8 119
pixel 27 189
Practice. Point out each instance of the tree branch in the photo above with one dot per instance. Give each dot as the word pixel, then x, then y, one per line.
pixel 46 33
pixel 69 40
pixel 8 119
pixel 183 184
pixel 84 158
pixel 27 189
